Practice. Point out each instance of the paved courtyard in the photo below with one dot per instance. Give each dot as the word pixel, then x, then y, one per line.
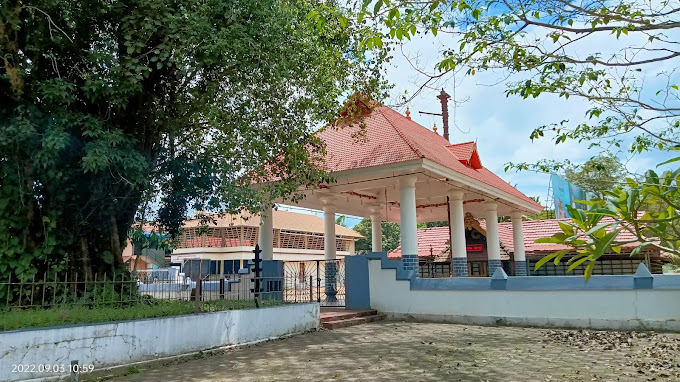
pixel 405 351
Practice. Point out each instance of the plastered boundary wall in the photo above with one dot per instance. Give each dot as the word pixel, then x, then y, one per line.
pixel 110 344
pixel 641 301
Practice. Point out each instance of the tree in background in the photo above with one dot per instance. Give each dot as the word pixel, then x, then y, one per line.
pixel 390 236
pixel 547 213
pixel 444 223
pixel 165 104
pixel 598 174
pixel 341 220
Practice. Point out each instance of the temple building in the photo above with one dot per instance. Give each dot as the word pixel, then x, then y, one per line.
pixel 390 168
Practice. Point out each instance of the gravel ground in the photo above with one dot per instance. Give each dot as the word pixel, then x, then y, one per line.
pixel 406 351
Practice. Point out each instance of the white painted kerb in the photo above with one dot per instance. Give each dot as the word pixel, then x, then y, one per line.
pixel 110 344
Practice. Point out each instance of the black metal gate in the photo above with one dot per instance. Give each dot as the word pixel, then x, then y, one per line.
pixel 319 280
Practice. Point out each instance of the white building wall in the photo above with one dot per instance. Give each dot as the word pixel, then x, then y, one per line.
pixel 605 309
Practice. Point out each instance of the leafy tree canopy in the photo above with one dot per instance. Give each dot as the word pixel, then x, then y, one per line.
pixel 390 236
pixel 598 174
pixel 167 105
pixel 620 57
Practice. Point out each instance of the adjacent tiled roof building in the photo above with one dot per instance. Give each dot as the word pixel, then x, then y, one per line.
pixel 437 238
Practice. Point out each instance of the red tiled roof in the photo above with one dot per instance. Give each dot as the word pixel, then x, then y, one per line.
pixel 438 238
pixel 536 229
pixel 462 151
pixel 393 138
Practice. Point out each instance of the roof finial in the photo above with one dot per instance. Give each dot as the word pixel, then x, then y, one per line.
pixel 408 112
pixel 435 128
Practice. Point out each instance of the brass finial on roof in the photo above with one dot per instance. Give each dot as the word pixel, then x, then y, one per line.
pixel 435 128
pixel 408 112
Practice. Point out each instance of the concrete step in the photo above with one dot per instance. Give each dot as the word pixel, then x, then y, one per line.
pixel 340 315
pixel 352 321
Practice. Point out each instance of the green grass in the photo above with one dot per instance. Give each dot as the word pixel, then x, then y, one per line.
pixel 67 315
pixel 134 369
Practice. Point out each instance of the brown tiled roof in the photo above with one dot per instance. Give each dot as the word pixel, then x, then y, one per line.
pixel 536 229
pixel 462 151
pixel 393 138
pixel 285 220
pixel 438 238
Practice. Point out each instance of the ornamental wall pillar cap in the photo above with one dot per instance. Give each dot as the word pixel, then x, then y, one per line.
pixel 456 194
pixel 408 181
pixel 490 205
pixel 327 199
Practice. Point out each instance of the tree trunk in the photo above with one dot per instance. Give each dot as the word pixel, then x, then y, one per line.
pixel 85 263
pixel 116 248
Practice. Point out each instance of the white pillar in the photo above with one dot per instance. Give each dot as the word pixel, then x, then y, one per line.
pixel 329 246
pixel 518 244
pixel 408 222
pixel 458 243
pixel 376 230
pixel 266 238
pixel 493 246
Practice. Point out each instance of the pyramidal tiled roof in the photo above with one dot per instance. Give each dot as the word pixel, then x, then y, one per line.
pixel 390 137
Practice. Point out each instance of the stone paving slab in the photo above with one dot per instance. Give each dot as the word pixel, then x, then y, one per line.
pixel 406 351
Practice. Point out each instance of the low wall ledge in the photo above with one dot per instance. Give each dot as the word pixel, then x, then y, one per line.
pixel 642 279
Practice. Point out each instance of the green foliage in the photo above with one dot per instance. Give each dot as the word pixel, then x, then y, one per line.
pixel 628 208
pixel 390 236
pixel 116 109
pixel 341 220
pixel 36 318
pixel 433 224
pixel 598 174
pixel 619 57
pixel 545 214
pixel 55 289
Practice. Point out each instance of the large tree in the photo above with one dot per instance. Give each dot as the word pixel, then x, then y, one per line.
pixel 106 106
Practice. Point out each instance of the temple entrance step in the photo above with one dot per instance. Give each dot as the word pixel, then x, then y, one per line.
pixel 341 318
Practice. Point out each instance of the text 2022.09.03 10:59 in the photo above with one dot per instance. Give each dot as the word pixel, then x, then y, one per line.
pixel 52 368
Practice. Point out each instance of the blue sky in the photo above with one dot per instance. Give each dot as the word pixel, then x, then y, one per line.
pixel 500 125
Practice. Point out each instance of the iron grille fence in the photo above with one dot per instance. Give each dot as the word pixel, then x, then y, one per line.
pixel 431 269
pixel 127 289
pixel 305 281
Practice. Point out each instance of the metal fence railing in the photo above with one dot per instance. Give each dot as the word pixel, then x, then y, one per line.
pixel 125 289
pixel 307 281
